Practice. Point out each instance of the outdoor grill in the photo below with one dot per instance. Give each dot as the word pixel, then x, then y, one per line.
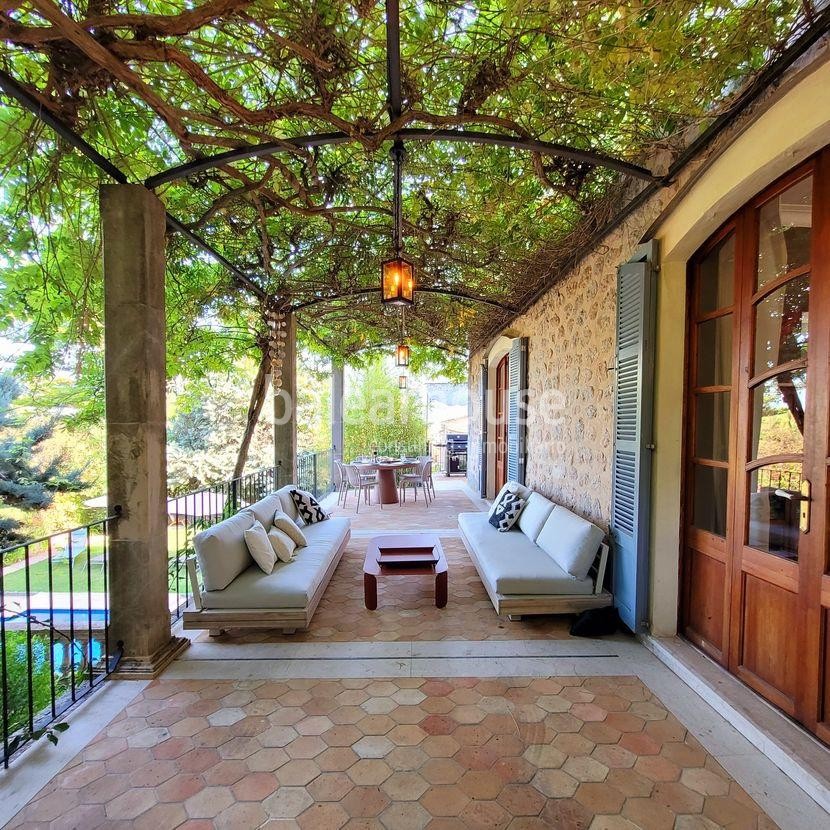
pixel 456 453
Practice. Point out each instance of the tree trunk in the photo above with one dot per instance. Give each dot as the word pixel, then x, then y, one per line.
pixel 258 395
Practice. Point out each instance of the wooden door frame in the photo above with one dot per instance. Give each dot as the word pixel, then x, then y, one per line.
pixel 810 576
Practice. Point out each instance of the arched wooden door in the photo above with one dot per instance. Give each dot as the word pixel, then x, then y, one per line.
pixel 756 590
pixel 501 413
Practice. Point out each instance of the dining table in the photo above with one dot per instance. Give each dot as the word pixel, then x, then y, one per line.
pixel 386 490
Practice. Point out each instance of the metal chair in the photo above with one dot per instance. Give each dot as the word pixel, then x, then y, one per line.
pixel 416 480
pixel 341 483
pixel 363 483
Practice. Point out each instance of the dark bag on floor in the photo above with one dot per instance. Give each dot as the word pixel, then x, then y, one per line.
pixel 596 622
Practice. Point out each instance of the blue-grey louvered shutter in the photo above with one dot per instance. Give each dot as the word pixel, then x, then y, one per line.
pixel 516 409
pixel 633 405
pixel 482 452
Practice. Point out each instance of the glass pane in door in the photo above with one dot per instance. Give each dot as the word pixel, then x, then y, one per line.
pixel 716 277
pixel 714 352
pixel 712 425
pixel 709 499
pixel 778 415
pixel 784 231
pixel 781 325
pixel 774 509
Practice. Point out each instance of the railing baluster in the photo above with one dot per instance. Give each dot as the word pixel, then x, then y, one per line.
pixel 51 627
pixel 29 671
pixel 3 666
pixel 89 648
pixel 71 617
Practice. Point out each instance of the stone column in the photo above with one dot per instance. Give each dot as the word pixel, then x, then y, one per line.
pixel 337 433
pixel 133 224
pixel 285 421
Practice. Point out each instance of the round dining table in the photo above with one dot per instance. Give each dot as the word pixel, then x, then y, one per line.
pixel 386 489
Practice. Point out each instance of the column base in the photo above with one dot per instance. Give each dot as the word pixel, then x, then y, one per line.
pixel 149 668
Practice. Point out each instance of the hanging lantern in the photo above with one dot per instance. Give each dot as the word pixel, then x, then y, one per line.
pixel 402 382
pixel 397 281
pixel 402 355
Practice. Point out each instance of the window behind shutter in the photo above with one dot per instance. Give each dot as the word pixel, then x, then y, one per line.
pixel 517 410
pixel 633 404
pixel 482 450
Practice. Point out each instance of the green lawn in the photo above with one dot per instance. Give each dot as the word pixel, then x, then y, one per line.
pixel 39 571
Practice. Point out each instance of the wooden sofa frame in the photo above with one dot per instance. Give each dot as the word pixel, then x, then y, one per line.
pixel 515 606
pixel 216 620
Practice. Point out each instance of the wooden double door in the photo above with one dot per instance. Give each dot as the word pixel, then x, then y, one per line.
pixel 755 585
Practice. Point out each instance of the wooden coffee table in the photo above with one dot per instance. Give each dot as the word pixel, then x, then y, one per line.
pixel 402 542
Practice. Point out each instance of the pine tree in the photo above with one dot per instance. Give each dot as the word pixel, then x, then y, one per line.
pixel 25 480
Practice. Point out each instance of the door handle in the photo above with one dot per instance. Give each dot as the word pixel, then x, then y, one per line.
pixel 804 506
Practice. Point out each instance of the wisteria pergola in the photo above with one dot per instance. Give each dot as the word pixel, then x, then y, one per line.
pixel 265 126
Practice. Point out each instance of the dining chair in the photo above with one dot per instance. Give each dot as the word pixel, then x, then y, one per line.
pixel 431 483
pixel 341 483
pixel 416 480
pixel 361 482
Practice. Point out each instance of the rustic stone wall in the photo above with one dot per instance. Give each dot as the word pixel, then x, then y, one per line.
pixel 571 332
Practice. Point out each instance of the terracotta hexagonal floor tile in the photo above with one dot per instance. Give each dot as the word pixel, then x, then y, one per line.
pixel 566 814
pixel 406 758
pixel 544 756
pixel 330 786
pixel 521 800
pixel 405 786
pixel 160 817
pixel 131 804
pixel 555 783
pixel 153 773
pixel 209 802
pixel 481 784
pixel 287 803
pixel 444 801
pixel 365 802
pixel 323 817
pixel 373 746
pixel 239 815
pixel 488 814
pixel 336 759
pixel 256 786
pixel 647 814
pixel 405 816
pixel 104 788
pixel 704 781
pixel 442 771
pixel 600 798
pixel 440 746
pixel 267 760
pixel 677 797
pixel 297 773
pixel 657 768
pixel 369 772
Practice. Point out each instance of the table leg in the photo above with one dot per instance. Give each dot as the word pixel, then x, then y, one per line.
pixel 441 590
pixel 370 591
pixel 386 490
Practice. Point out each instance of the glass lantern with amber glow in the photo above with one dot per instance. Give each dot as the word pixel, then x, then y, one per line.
pixel 402 354
pixel 397 281
pixel 402 382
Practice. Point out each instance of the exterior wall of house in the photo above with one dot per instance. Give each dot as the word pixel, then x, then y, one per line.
pixel 572 327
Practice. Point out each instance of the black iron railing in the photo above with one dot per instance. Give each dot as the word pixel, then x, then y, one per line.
pixel 314 472
pixel 193 512
pixel 54 628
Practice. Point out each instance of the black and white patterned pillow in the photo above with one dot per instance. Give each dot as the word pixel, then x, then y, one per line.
pixel 308 507
pixel 507 512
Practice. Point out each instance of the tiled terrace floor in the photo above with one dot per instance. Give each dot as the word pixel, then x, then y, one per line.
pixel 517 753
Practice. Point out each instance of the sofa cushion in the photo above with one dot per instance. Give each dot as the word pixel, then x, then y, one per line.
pixel 308 507
pixel 513 565
pixel 290 584
pixel 260 548
pixel 221 550
pixel 287 525
pixel 571 541
pixel 283 545
pixel 287 502
pixel 534 515
pixel 264 509
pixel 510 487
pixel 507 512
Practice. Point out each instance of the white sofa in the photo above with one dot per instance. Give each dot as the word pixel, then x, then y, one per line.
pixel 231 591
pixel 550 562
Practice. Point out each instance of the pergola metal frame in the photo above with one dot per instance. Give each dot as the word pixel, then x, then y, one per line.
pixel 819 26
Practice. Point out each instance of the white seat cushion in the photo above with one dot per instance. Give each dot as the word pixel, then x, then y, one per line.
pixel 290 584
pixel 571 541
pixel 513 565
pixel 534 515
